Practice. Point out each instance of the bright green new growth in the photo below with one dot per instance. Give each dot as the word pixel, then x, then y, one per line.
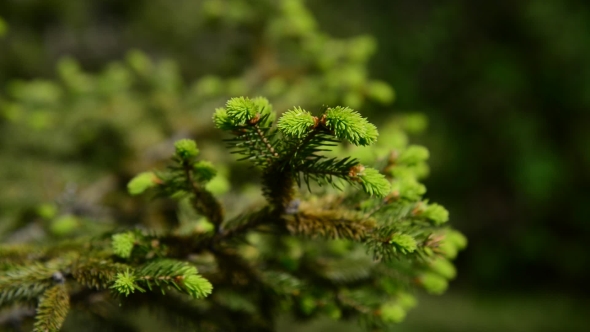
pixel 392 312
pixel 186 148
pixel 405 243
pixel 296 122
pixel 414 154
pixel 141 182
pixel 123 244
pixel 350 125
pixel 452 244
pixel 434 283
pixel 374 183
pixel 437 213
pixel 204 170
pixel 444 268
pixel 180 275
pixel 197 286
pixel 125 283
pixel 303 138
pixel 241 109
pixel 222 120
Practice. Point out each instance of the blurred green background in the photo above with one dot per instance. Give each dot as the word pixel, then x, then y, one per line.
pixel 505 85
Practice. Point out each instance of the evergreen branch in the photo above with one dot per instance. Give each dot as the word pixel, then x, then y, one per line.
pixel 52 310
pixel 323 170
pixel 332 224
pixel 181 275
pixel 386 243
pixel 255 143
pixel 26 283
pixel 203 201
pixel 126 283
pixel 123 244
pixel 14 254
pixel 96 273
pixel 297 122
pixel 262 136
pixel 277 187
pixel 241 224
pixel 244 116
pixel 350 125
pixel 304 147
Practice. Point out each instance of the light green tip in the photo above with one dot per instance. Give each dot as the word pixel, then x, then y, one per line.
pixel 222 120
pixel 434 283
pixel 197 286
pixel 444 268
pixel 186 148
pixel 408 188
pixel 204 170
pixel 141 182
pixel 413 155
pixel 123 244
pixel 437 213
pixel 373 182
pixel 405 243
pixel 350 125
pixel 241 109
pixel 296 122
pixel 262 104
pixel 452 243
pixel 125 283
pixel 392 312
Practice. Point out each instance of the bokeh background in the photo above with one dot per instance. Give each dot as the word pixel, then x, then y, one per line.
pixel 505 85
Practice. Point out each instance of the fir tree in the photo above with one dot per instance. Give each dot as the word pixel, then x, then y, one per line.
pixel 335 237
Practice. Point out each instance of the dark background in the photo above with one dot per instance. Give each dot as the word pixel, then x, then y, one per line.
pixel 505 85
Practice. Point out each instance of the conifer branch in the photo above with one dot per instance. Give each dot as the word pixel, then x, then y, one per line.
pixel 167 272
pixel 26 283
pixel 52 310
pixel 388 237
pixel 203 201
pixel 96 273
pixel 265 140
pixel 330 224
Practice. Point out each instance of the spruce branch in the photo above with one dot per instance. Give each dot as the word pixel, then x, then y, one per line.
pixel 125 283
pixel 332 224
pixel 53 307
pixel 296 123
pixel 350 125
pixel 180 275
pixel 123 244
pixel 26 283
pixel 97 273
pixel 400 233
pixel 203 200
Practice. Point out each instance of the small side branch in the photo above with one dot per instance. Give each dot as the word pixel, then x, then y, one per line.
pixel 203 201
pixel 265 140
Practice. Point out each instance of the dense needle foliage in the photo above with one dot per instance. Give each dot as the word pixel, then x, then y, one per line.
pixel 354 249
